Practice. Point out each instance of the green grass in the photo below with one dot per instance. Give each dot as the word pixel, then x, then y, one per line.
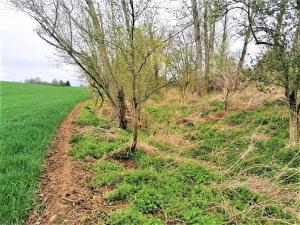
pixel 29 117
pixel 161 189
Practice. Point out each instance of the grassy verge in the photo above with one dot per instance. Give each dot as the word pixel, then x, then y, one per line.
pixel 29 117
pixel 191 166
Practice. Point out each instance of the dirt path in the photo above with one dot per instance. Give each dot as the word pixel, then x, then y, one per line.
pixel 64 196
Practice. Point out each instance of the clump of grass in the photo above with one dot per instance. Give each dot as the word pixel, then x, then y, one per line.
pixel 157 163
pixel 89 117
pixel 131 217
pixel 214 107
pixel 121 193
pixel 96 148
pixel 163 146
pixel 106 173
pixel 193 174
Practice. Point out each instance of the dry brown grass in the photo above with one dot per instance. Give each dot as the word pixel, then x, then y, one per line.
pixel 251 98
pixel 147 148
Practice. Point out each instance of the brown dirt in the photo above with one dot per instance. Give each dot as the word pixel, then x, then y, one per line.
pixel 64 197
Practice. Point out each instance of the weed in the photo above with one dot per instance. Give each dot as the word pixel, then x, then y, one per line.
pixel 131 217
pixel 106 173
pixel 89 117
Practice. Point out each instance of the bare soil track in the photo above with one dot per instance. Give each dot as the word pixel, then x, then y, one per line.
pixel 64 197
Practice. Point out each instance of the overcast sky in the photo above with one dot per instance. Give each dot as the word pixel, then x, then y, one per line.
pixel 23 54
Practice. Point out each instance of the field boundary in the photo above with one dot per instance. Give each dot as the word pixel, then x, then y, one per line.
pixel 63 178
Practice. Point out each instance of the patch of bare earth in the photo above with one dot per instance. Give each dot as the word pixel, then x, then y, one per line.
pixel 64 197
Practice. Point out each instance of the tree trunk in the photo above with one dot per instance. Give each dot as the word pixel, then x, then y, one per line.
pixel 293 108
pixel 122 109
pixel 224 40
pixel 244 51
pixel 206 44
pixel 135 126
pixel 198 45
pixel 226 93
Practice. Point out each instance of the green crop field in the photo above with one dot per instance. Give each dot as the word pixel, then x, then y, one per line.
pixel 29 117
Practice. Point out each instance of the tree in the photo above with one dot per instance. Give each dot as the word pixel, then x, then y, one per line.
pixel 74 28
pixel 113 47
pixel 198 41
pixel 181 61
pixel 276 26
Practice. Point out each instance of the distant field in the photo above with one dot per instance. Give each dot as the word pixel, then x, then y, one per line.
pixel 29 117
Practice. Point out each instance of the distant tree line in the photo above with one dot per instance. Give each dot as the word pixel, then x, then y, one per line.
pixel 54 82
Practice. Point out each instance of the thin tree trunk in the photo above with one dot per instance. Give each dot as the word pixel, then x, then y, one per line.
pixel 242 58
pixel 206 44
pixel 224 41
pixel 198 45
pixel 294 133
pixel 134 77
pixel 212 38
pixel 293 113
pixel 122 109
pixel 244 51
pixel 293 120
pixel 226 93
pixel 135 127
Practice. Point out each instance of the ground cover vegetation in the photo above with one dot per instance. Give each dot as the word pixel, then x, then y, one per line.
pixel 205 134
pixel 30 115
pixel 195 164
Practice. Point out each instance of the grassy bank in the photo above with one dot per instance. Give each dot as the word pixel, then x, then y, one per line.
pixel 195 164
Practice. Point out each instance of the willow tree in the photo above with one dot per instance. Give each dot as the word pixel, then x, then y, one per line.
pixel 76 30
pixel 143 46
pixel 109 41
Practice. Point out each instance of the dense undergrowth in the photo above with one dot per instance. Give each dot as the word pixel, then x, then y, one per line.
pixel 193 165
pixel 29 118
